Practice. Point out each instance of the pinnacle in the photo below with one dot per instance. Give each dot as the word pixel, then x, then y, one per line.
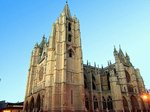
pixel 66 10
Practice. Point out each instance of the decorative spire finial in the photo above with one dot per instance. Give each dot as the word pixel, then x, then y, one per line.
pixel 66 10
pixel 115 48
pixel 43 35
pixel 119 46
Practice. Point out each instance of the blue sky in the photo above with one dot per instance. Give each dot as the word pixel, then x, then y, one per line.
pixel 104 23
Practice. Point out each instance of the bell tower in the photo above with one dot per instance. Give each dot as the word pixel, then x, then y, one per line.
pixel 68 85
pixel 55 80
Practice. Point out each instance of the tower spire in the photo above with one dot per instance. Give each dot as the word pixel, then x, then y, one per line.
pixel 66 10
pixel 120 51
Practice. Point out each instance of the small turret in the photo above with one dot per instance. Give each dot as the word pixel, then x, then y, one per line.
pixel 95 64
pixel 127 56
pixel 43 42
pixel 87 63
pixel 121 52
pixel 128 59
pixel 115 51
pixel 36 45
pixel 116 55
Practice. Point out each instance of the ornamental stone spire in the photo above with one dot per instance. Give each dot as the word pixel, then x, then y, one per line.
pixel 66 10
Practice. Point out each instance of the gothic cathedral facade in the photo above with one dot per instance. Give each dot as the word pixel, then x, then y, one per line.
pixel 58 81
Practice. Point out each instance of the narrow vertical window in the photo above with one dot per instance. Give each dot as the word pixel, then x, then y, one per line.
pixel 70 53
pixel 69 26
pixel 71 97
pixel 69 38
pixel 104 103
pixel 87 103
pixel 109 103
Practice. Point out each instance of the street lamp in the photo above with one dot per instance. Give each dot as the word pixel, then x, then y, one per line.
pixel 145 97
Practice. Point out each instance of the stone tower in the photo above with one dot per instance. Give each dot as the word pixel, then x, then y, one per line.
pixel 55 79
pixel 59 82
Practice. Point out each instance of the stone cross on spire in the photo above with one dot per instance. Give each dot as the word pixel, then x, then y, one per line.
pixel 66 1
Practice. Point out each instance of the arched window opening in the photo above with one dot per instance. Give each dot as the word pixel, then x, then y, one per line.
pixel 85 84
pixel 109 103
pixel 108 75
pixel 95 103
pixel 104 103
pixel 127 76
pixel 42 101
pixel 70 53
pixel 134 103
pixel 125 105
pixel 94 86
pixel 87 103
pixel 69 38
pixel 38 103
pixel 69 26
pixel 93 77
pixel 130 88
pixel 115 72
pixel 32 105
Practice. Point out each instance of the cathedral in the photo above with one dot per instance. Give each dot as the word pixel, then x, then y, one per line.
pixel 58 81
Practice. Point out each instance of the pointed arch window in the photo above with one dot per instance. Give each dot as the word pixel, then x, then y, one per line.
pixel 134 103
pixel 32 105
pixel 94 86
pixel 125 104
pixel 38 103
pixel 87 103
pixel 85 83
pixel 127 76
pixel 69 38
pixel 109 103
pixel 108 75
pixel 130 88
pixel 95 103
pixel 70 53
pixel 69 26
pixel 104 103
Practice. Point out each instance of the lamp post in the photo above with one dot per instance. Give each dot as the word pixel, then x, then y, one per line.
pixel 146 98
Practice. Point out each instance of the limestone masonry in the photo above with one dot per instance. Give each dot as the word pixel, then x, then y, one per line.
pixel 58 81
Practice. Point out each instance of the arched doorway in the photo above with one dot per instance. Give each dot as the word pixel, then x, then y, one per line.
pixel 38 103
pixel 26 107
pixel 134 103
pixel 143 105
pixel 32 105
pixel 125 104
